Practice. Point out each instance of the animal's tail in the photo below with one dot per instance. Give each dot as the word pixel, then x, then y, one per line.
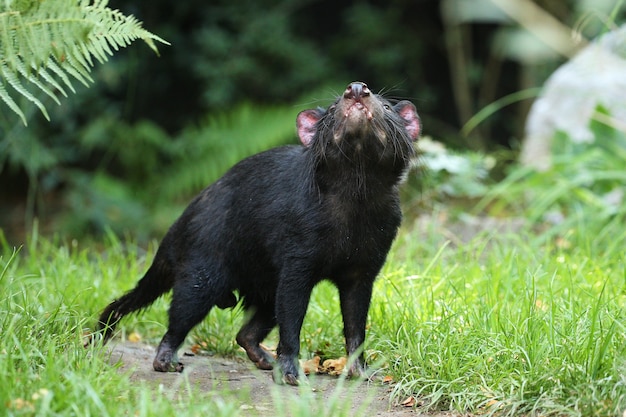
pixel 154 283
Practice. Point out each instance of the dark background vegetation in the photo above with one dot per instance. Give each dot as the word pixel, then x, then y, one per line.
pixel 128 152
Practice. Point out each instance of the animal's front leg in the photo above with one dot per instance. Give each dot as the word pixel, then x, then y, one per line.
pixel 292 298
pixel 355 298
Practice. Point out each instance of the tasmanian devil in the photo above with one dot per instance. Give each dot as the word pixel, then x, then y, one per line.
pixel 279 222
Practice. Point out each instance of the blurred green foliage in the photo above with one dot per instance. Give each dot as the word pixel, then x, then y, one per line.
pixel 129 152
pixel 585 177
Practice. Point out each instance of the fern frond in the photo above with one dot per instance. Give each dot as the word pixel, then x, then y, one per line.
pixel 4 95
pixel 50 80
pixel 24 72
pixel 44 44
pixel 52 66
pixel 215 145
pixel 14 81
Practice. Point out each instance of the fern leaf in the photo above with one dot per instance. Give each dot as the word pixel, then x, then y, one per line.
pixel 44 44
pixel 50 80
pixel 14 82
pixel 4 95
pixel 77 71
pixel 29 77
pixel 52 66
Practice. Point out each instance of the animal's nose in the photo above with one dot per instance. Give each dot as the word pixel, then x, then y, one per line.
pixel 356 90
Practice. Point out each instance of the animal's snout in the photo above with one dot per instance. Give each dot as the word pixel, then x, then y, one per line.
pixel 356 90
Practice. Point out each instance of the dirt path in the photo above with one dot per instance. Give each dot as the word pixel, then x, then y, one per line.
pixel 254 390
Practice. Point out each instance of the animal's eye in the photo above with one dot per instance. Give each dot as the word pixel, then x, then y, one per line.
pixel 387 106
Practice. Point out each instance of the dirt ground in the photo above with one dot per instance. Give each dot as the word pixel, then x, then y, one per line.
pixel 253 389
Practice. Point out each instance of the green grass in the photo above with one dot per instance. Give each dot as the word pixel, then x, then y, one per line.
pixel 509 324
pixel 525 323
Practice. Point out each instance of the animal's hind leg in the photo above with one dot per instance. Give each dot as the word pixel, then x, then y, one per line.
pixel 190 305
pixel 252 334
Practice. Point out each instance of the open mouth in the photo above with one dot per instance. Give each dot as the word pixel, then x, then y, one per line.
pixel 357 108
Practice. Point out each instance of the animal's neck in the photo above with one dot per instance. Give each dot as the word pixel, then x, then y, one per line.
pixel 360 181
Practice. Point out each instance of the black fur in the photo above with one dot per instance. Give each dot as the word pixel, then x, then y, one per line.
pixel 278 223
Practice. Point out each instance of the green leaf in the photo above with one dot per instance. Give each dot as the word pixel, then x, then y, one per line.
pixel 4 95
pixel 14 81
pixel 44 44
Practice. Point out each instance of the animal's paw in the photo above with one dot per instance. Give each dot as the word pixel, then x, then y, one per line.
pixel 166 360
pixel 167 366
pixel 287 372
pixel 289 379
pixel 257 354
pixel 357 371
pixel 265 363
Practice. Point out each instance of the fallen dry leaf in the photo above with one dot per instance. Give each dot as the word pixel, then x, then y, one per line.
pixel 312 366
pixel 388 379
pixel 334 366
pixel 271 350
pixel 491 403
pixel 134 337
pixel 409 402
pixel 199 346
pixel 20 404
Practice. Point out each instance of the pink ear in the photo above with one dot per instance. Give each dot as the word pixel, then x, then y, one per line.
pixel 307 125
pixel 412 123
